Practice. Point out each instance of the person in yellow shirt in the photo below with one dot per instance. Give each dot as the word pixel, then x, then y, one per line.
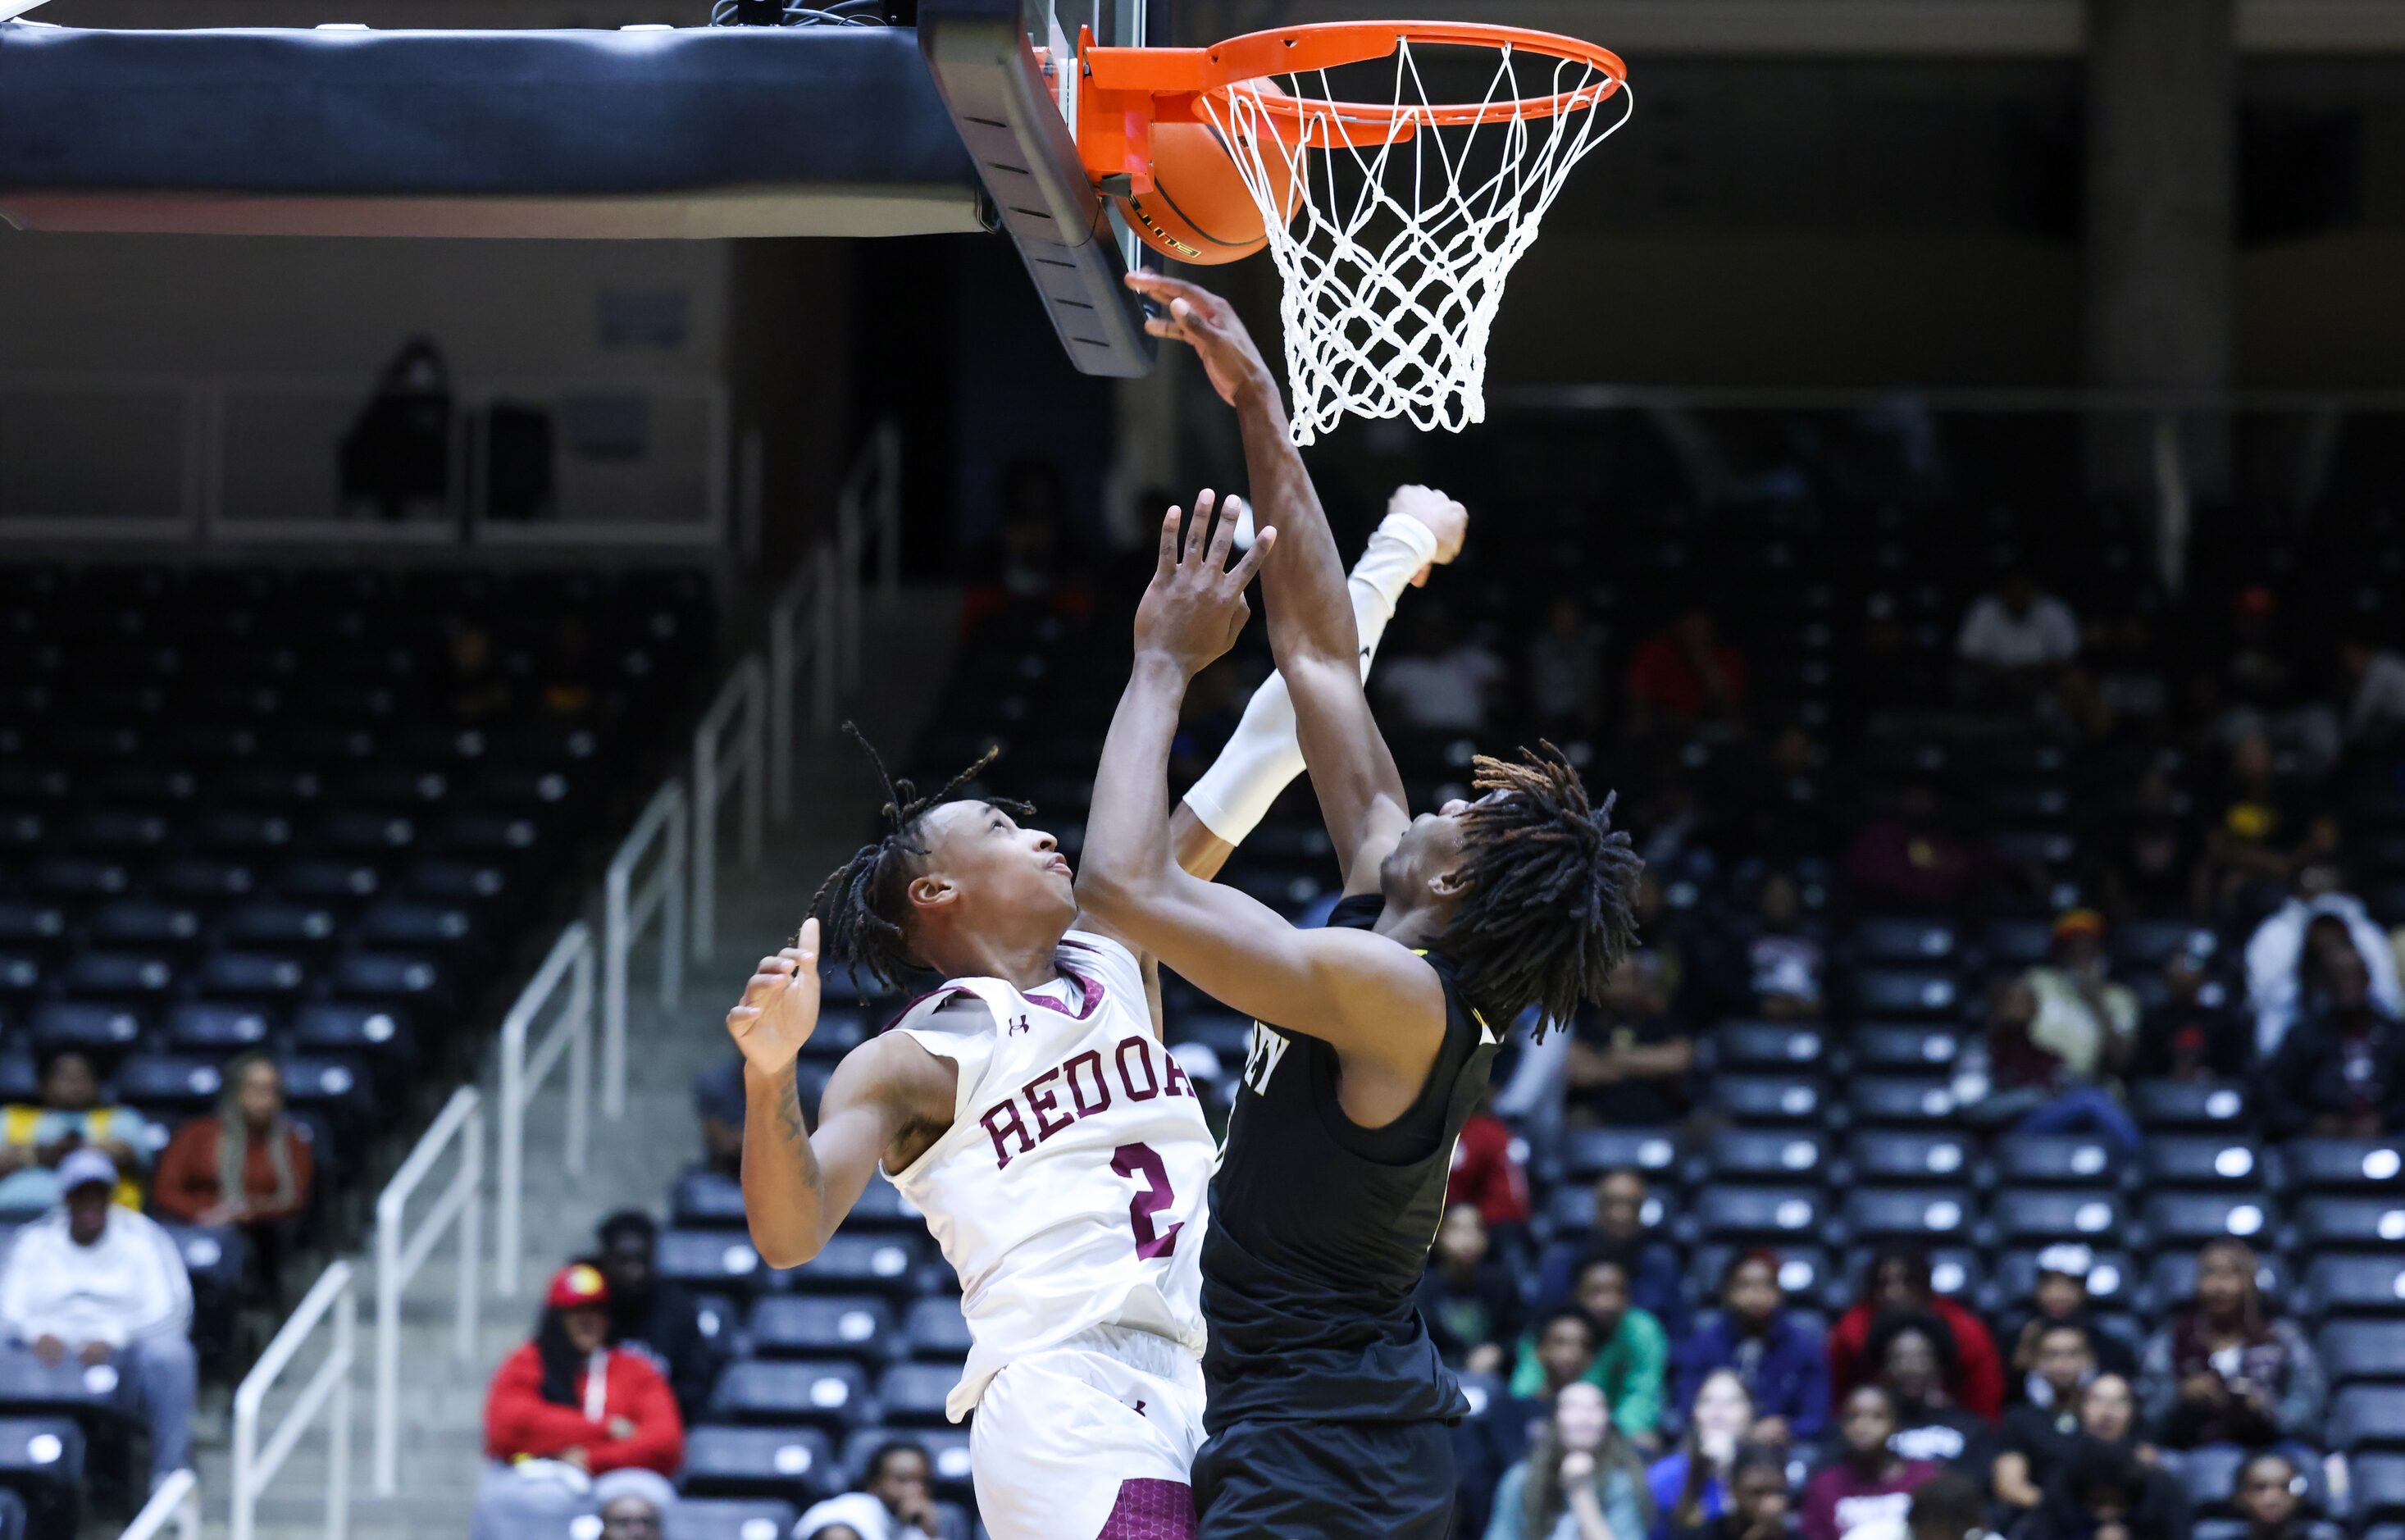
pixel 35 1137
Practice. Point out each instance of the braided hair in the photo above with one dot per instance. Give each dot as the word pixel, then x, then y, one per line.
pixel 864 907
pixel 1551 911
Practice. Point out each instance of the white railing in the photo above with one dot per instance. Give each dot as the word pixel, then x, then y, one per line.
pixel 176 1502
pixel 815 618
pixel 328 1390
pixel 523 1071
pixel 628 907
pixel 720 765
pixel 399 1256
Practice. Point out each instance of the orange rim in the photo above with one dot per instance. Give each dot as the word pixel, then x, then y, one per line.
pixel 1178 76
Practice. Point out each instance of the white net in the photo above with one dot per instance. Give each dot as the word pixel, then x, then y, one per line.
pixel 1394 261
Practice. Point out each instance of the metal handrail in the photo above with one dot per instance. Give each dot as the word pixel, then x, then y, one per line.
pixel 399 1256
pixel 523 1073
pixel 626 909
pixel 822 594
pixel 176 1502
pixel 328 1389
pixel 740 707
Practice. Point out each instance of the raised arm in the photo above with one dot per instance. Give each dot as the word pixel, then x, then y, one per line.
pixel 1311 630
pixel 797 1186
pixel 1358 990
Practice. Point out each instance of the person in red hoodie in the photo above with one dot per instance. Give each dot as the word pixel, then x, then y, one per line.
pixel 1898 1282
pixel 567 1406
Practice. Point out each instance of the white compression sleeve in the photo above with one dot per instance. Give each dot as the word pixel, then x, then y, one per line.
pixel 1235 793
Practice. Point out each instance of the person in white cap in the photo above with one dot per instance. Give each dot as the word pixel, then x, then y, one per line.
pixel 103 1284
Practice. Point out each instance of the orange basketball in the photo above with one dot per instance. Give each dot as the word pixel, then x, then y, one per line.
pixel 1199 210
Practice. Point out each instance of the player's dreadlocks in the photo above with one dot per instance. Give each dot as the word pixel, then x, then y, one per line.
pixel 864 907
pixel 1553 886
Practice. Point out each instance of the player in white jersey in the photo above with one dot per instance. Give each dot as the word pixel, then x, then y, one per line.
pixel 1029 1110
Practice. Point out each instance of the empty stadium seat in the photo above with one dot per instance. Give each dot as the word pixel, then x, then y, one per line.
pixel 1765 1045
pixel 1887 1157
pixel 2185 1221
pixel 1897 1101
pixel 821 1393
pixel 729 1519
pixel 706 1200
pixel 1588 1152
pixel 937 1328
pixel 2189 1105
pixel 2355 1285
pixel 795 1464
pixel 2367 1417
pixel 2344 1165
pixel 1906 942
pixel 1752 1154
pixel 876 1264
pixel 2376 1488
pixel 1903 1049
pixel 2068 1160
pixel 710 1259
pixel 1931 1215
pixel 2359 1223
pixel 1726 1213
pixel 42 1462
pixel 2035 1217
pixel 1769 1098
pixel 2195 1160
pixel 913 1394
pixel 1908 994
pixel 857 1326
pixel 2363 1350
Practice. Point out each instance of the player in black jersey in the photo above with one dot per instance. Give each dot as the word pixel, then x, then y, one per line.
pixel 1328 1406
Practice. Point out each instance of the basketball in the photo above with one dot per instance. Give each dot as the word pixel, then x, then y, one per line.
pixel 1199 210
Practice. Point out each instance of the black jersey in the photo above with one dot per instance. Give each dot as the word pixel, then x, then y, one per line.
pixel 1320 1230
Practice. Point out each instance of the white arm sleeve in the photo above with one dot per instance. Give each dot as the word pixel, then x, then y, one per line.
pixel 1235 793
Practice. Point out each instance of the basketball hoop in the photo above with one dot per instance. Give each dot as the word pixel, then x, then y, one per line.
pixel 1392 259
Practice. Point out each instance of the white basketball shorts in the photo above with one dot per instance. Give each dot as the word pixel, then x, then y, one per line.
pixel 1092 1440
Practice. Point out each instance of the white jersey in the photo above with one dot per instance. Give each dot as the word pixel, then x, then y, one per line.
pixel 1070 1190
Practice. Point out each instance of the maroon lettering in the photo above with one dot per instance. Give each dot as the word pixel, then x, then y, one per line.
pixel 1151 1078
pixel 1047 1103
pixel 1178 1085
pixel 999 1119
pixel 1091 1061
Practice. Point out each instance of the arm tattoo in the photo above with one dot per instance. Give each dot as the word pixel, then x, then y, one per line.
pixel 790 1123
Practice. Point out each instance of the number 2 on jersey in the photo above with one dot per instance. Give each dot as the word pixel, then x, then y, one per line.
pixel 1133 1160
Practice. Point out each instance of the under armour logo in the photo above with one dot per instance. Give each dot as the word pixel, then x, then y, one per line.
pixel 1139 1408
pixel 1019 1026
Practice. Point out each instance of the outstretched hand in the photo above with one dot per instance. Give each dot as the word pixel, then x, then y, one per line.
pixel 1192 315
pixel 779 1008
pixel 1444 516
pixel 1195 609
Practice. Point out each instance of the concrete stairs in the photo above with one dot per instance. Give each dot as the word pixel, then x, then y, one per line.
pixel 631 1161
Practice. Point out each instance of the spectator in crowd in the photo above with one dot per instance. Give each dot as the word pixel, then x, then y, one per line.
pixel 1582 1480
pixel 565 1407
pixel 2059 1298
pixel 2016 640
pixel 479 690
pixel 718 1104
pixel 2039 1440
pixel 1631 1353
pixel 1898 1281
pixel 1440 680
pixel 2339 1071
pixel 2194 1031
pixel 2150 861
pixel 102 1284
pixel 1619 1233
pixel 1869 1482
pixel 1469 1294
pixel 633 1504
pixel 1784 966
pixel 2265 687
pixel 1783 1364
pixel 656 1319
pixel 1487 1173
pixel 2263 835
pixel 1691 1483
pixel 896 1501
pixel 2282 953
pixel 34 1140
pixel 1946 1506
pixel 2376 675
pixel 247 1164
pixel 2226 1370
pixel 2008 1081
pixel 2084 1018
pixel 2269 1497
pixel 1916 1360
pixel 1685 673
pixel 1630 1057
pixel 2101 1493
pixel 1758 1503
pixel 2108 1413
pixel 1910 860
pixel 1565 671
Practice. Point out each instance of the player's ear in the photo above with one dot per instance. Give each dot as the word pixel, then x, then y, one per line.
pixel 931 892
pixel 1451 884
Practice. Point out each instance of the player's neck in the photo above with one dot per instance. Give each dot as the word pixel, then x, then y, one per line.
pixel 1416 925
pixel 1024 964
